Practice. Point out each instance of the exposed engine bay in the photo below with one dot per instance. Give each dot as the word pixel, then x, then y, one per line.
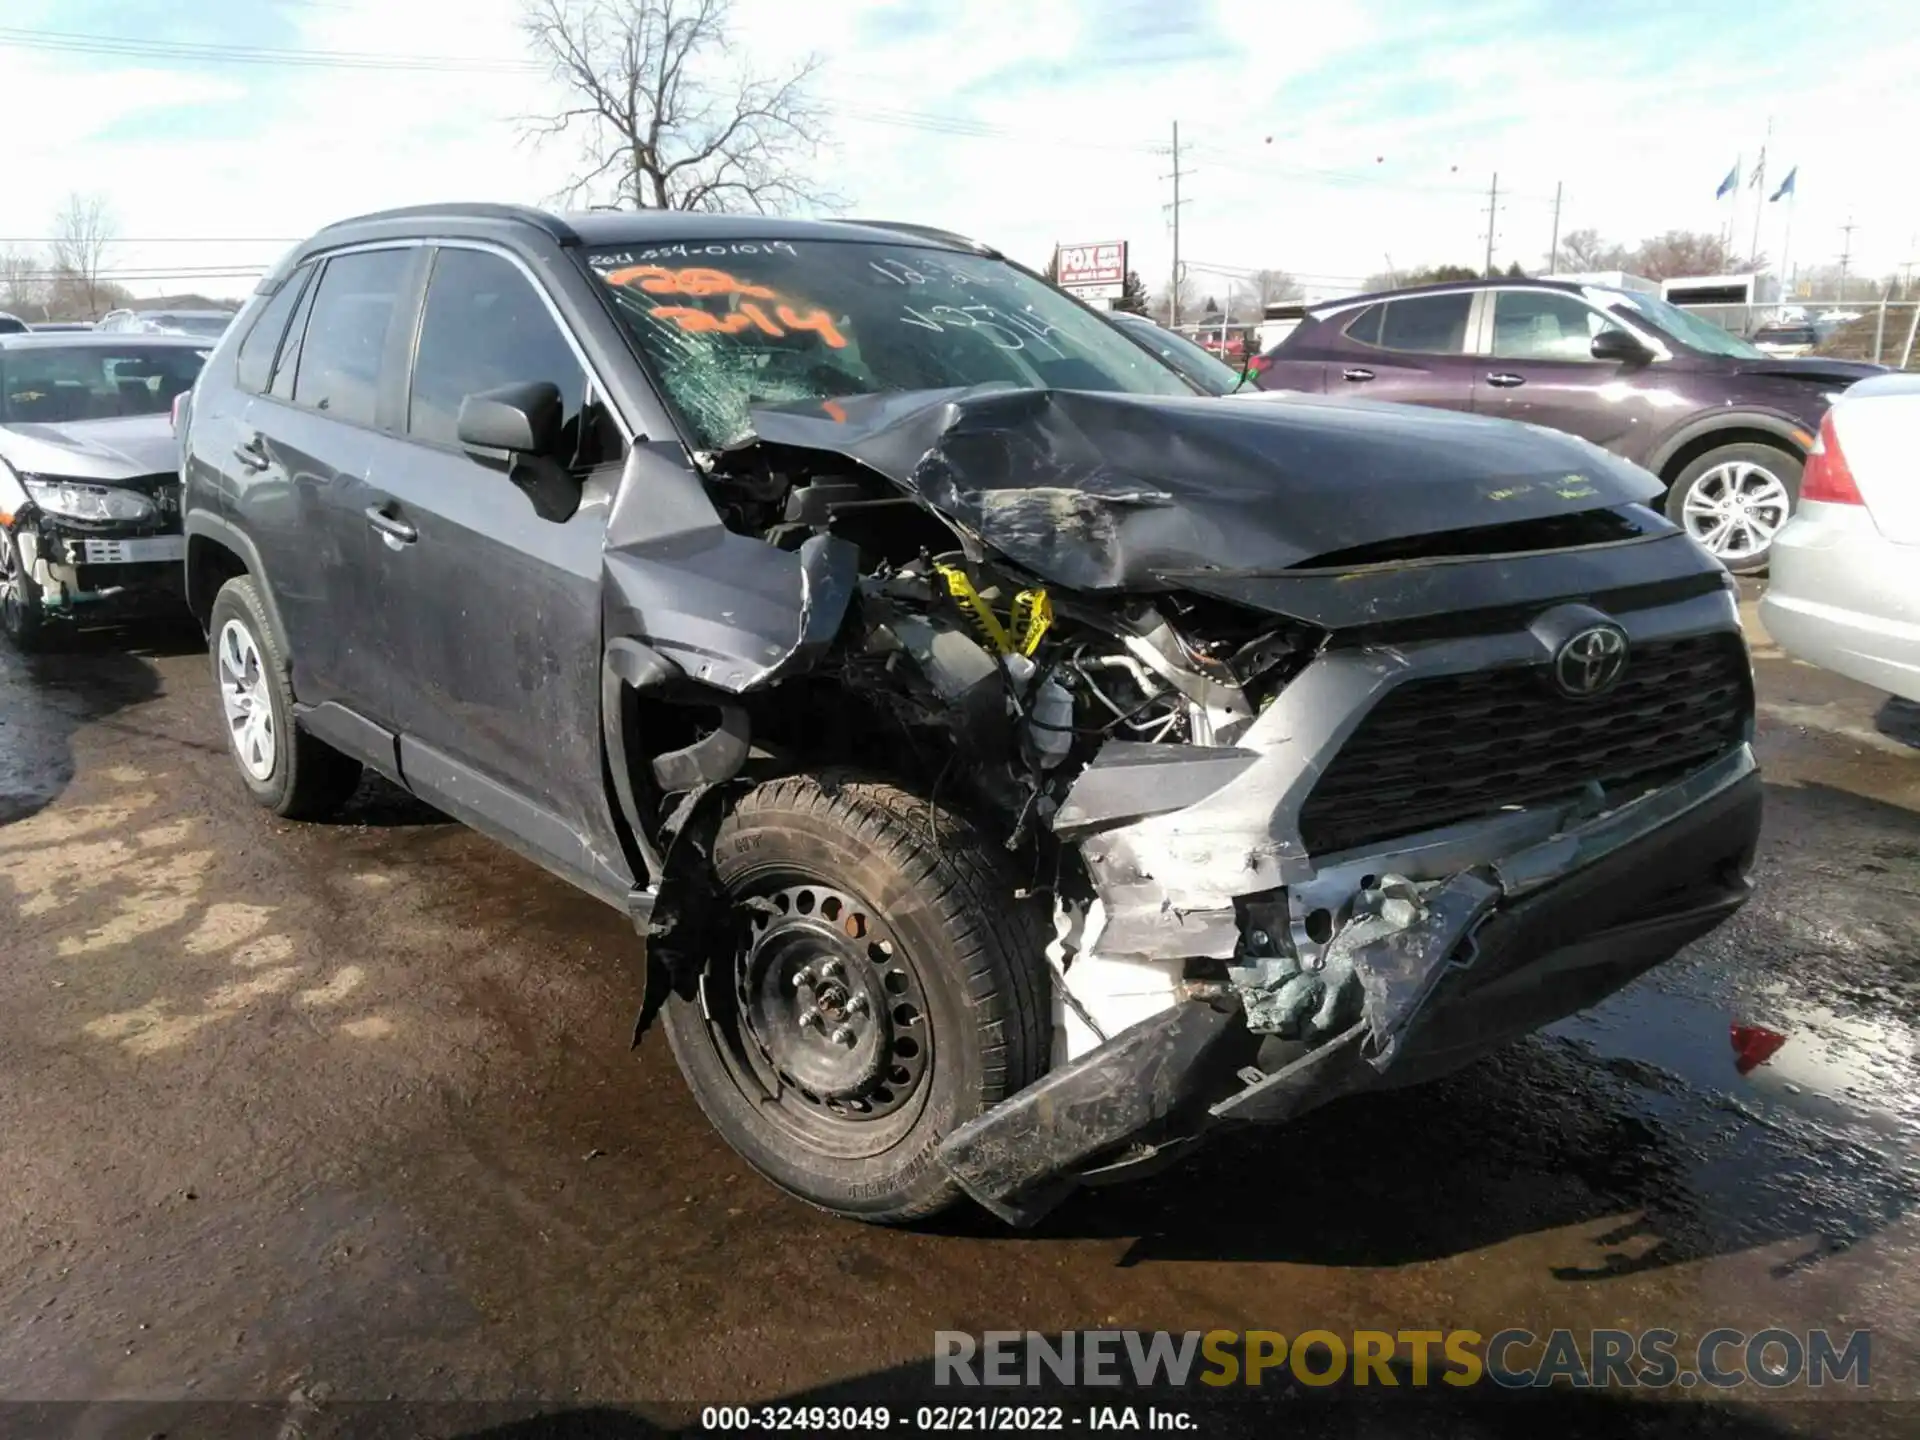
pixel 1276 810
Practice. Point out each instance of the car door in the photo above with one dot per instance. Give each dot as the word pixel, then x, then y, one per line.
pixel 492 570
pixel 1539 367
pixel 1412 350
pixel 302 492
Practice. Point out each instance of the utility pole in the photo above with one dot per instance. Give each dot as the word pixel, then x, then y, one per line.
pixel 1553 250
pixel 1493 205
pixel 1173 290
pixel 1846 255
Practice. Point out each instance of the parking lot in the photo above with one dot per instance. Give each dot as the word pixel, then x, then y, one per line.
pixel 327 1114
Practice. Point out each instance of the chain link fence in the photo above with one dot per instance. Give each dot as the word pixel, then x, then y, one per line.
pixel 1884 331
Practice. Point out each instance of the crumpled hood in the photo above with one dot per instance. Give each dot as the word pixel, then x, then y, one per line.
pixel 1109 492
pixel 123 448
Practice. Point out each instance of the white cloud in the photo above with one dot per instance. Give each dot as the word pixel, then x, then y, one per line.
pixel 1386 121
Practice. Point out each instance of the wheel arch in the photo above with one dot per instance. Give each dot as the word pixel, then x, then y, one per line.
pixel 217 552
pixel 1739 427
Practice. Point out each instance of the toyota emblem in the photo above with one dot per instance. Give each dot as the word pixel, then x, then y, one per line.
pixel 1591 661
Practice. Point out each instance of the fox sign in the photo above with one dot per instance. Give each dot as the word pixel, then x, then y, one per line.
pixel 1093 272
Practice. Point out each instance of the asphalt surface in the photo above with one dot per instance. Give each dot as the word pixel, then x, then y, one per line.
pixel 317 1115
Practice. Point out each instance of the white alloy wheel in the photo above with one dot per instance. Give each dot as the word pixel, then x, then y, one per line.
pixel 244 697
pixel 1736 508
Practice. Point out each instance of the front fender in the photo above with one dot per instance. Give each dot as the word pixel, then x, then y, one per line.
pixel 13 495
pixel 1772 422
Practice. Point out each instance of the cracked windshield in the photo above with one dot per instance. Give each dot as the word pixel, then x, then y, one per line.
pixel 730 326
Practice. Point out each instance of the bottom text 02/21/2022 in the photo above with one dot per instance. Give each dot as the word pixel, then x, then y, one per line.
pixel 938 1419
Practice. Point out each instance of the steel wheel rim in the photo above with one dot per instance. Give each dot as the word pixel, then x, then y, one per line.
pixel 849 1097
pixel 244 698
pixel 1736 508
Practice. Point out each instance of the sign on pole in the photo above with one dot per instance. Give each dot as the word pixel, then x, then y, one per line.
pixel 1093 272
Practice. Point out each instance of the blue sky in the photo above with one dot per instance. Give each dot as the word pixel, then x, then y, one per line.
pixel 1320 140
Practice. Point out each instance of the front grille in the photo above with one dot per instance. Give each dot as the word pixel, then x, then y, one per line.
pixel 1436 751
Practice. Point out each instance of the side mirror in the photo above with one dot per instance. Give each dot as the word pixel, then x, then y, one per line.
pixel 1618 345
pixel 522 419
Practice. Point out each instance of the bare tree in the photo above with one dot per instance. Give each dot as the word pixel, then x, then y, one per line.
pixel 24 286
pixel 1424 275
pixel 1262 288
pixel 1587 250
pixel 1691 252
pixel 663 124
pixel 82 231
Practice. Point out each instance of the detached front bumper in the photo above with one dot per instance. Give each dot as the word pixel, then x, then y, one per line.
pixel 1501 949
pixel 97 566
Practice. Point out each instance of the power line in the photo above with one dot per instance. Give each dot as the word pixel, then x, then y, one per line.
pixel 1355 177
pixel 966 128
pixel 73 43
pixel 156 240
pixel 209 272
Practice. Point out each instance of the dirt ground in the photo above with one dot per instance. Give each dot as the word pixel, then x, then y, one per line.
pixel 318 1117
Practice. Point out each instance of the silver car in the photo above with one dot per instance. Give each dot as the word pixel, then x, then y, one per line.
pixel 89 475
pixel 1845 591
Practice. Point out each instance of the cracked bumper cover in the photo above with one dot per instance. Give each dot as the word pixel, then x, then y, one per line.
pixel 1501 949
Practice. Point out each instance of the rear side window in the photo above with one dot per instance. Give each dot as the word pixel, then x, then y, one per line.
pixel 1365 327
pixel 254 367
pixel 346 334
pixel 1427 324
pixel 288 364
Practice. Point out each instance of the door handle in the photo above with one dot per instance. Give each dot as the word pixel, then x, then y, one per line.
pixel 1356 372
pixel 252 453
pixel 392 529
pixel 1506 379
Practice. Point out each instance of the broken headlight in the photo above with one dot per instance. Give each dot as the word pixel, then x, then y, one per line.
pixel 76 500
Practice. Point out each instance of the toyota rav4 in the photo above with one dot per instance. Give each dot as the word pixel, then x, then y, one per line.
pixel 1016 763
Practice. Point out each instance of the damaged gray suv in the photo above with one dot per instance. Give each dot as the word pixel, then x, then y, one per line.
pixel 1017 764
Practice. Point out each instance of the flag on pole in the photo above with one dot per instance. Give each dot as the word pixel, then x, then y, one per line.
pixel 1730 184
pixel 1786 185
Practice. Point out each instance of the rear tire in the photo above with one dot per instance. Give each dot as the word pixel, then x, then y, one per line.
pixel 287 770
pixel 895 922
pixel 1733 500
pixel 20 604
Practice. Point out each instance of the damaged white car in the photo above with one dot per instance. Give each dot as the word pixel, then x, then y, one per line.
pixel 1018 764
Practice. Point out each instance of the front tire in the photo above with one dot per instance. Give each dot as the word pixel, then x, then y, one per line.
pixel 21 614
pixel 288 771
pixel 1733 501
pixel 881 987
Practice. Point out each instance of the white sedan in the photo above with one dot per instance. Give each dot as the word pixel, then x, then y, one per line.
pixel 1845 586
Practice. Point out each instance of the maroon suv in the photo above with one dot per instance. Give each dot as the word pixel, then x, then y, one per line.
pixel 1724 424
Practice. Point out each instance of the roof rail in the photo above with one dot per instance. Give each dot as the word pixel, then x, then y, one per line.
pixel 470 210
pixel 929 232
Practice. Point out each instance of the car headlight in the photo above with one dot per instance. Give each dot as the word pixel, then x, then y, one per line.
pixel 77 500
